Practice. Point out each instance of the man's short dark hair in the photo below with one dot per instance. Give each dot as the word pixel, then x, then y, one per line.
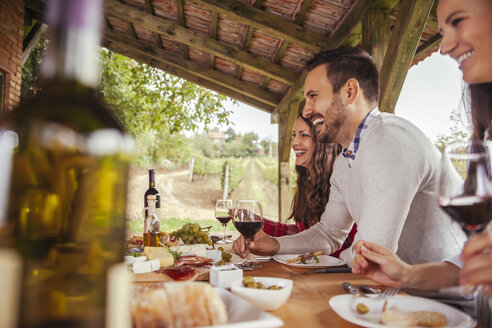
pixel 347 62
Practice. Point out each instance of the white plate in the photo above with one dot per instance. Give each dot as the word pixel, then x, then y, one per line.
pixel 343 306
pixel 244 315
pixel 324 261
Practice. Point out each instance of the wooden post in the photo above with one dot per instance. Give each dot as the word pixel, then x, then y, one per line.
pixel 376 33
pixel 403 43
pixel 287 121
pixel 192 164
pixel 226 182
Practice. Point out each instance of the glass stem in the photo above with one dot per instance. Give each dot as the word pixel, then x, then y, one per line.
pixel 247 250
pixel 224 239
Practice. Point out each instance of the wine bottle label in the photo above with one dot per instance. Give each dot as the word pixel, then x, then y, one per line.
pixel 118 297
pixel 10 268
pixel 151 197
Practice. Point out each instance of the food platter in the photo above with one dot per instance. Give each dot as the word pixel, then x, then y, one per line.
pixel 324 261
pixel 343 305
pixel 244 315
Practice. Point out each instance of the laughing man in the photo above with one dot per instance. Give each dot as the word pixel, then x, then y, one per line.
pixel 384 179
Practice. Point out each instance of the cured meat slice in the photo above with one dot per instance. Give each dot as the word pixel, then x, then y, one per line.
pixel 193 260
pixel 181 273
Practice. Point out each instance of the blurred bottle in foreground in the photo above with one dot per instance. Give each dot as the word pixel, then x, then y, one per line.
pixel 10 262
pixel 69 183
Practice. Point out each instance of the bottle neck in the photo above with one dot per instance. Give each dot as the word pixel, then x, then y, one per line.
pixel 151 179
pixel 74 36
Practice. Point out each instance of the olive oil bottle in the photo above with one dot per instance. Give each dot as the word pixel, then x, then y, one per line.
pixel 69 181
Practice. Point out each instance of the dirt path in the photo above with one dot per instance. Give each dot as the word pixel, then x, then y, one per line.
pixel 196 200
pixel 254 186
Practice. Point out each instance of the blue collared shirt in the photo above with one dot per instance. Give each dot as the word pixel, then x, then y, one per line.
pixel 351 151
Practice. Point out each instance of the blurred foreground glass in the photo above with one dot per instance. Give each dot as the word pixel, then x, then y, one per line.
pixel 248 220
pixel 69 181
pixel 468 202
pixel 224 212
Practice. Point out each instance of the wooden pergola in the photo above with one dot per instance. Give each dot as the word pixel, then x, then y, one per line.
pixel 254 50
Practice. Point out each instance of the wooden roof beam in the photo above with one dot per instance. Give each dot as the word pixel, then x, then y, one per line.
pixel 403 43
pixel 150 9
pixel 32 39
pixel 431 45
pixel 183 35
pixel 203 71
pixel 144 58
pixel 272 24
pixel 376 33
pixel 295 92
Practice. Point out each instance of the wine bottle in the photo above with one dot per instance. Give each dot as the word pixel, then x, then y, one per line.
pixel 152 225
pixel 153 194
pixel 69 181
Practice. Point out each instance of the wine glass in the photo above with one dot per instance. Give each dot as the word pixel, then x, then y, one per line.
pixel 223 213
pixel 465 184
pixel 248 220
pixel 465 188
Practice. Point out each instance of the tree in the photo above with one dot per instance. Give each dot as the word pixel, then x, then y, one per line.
pixel 148 99
pixel 230 134
pixel 250 143
pixel 30 77
pixel 457 132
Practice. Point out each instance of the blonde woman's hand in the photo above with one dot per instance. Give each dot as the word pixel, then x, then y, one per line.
pixel 379 264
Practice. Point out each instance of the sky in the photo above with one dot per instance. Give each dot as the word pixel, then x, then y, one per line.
pixel 432 90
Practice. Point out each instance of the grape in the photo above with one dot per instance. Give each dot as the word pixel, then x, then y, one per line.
pixel 191 233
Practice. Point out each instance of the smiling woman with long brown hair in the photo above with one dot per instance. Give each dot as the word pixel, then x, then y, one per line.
pixel 314 165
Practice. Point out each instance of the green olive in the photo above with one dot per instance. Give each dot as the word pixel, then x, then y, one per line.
pixel 259 285
pixel 362 308
pixel 248 280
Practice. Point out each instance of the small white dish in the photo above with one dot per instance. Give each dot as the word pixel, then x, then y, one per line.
pixel 264 299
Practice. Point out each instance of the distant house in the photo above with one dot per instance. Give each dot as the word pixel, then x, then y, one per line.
pixel 217 137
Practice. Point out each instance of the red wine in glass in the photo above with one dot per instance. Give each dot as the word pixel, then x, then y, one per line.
pixel 471 212
pixel 224 219
pixel 223 213
pixel 248 228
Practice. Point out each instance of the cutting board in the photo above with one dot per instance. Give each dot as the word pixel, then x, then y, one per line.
pixel 162 277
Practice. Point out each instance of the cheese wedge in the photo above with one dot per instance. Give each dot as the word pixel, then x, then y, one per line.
pixel 161 253
pixel 196 249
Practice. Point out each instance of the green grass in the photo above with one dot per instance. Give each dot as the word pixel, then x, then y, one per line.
pixel 172 224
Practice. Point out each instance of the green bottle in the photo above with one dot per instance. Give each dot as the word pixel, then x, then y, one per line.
pixel 69 182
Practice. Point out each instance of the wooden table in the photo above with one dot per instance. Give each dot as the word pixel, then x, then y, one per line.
pixel 308 304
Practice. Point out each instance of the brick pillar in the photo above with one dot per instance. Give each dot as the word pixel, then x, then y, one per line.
pixel 11 30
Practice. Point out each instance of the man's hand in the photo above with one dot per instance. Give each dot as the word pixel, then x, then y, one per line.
pixel 262 244
pixel 379 264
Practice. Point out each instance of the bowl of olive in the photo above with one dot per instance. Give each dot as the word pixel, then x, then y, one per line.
pixel 266 293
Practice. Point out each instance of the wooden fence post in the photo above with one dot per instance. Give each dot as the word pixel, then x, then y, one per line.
pixel 192 164
pixel 226 182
